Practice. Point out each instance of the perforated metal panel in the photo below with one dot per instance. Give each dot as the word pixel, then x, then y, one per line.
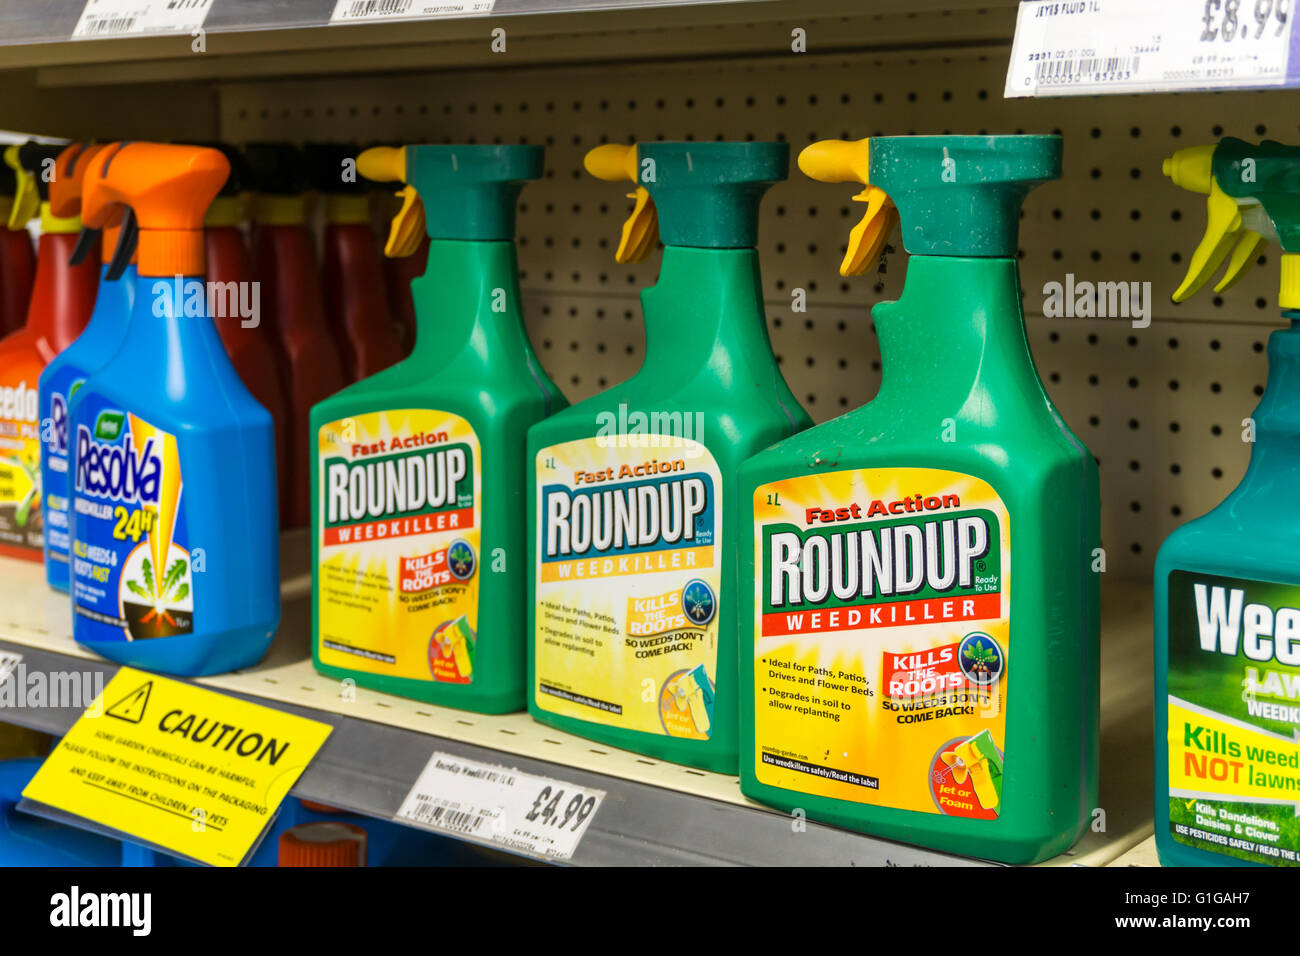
pixel 1161 407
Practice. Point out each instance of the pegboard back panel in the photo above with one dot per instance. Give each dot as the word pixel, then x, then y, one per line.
pixel 1160 406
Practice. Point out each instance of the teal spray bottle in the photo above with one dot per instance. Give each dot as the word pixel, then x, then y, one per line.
pixel 98 343
pixel 1227 585
pixel 417 472
pixel 175 540
pixel 918 653
pixel 632 506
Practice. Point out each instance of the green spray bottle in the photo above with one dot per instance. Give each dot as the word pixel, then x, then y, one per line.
pixel 418 471
pixel 632 503
pixel 1227 585
pixel 900 673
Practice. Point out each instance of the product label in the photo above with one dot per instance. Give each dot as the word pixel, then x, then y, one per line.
pixel 399 537
pixel 131 561
pixel 628 578
pixel 21 522
pixel 54 464
pixel 1234 716
pixel 882 626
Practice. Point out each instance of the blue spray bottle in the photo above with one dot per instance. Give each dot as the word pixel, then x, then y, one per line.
pixel 69 369
pixel 175 547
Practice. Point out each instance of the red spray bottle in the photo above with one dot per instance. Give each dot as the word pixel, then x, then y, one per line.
pixel 356 300
pixel 17 260
pixel 62 298
pixel 251 345
pixel 284 262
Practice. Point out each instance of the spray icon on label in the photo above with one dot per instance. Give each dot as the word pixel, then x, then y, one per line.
pixel 692 693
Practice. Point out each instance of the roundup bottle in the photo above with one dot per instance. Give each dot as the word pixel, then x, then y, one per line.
pixel 919 651
pixel 17 258
pixel 62 298
pixel 93 348
pixel 175 545
pixel 284 260
pixel 352 275
pixel 418 472
pixel 632 499
pixel 249 343
pixel 1227 585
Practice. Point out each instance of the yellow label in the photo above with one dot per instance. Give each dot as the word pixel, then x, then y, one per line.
pixel 1212 755
pixel 191 770
pixel 21 517
pixel 628 577
pixel 882 605
pixel 399 538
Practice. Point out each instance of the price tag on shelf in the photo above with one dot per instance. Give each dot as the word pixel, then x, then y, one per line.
pixel 368 11
pixel 189 769
pixel 1085 47
pixel 496 804
pixel 118 18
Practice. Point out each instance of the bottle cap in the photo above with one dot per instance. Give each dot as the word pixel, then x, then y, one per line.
pixel 325 843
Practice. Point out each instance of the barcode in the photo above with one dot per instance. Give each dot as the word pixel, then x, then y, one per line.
pixel 1050 72
pixel 369 8
pixel 109 25
pixel 429 813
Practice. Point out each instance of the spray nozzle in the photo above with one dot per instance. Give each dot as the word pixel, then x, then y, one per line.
pixel 703 195
pixel 452 192
pixel 168 189
pixel 33 164
pixel 616 163
pixel 839 161
pixel 1252 195
pixel 950 195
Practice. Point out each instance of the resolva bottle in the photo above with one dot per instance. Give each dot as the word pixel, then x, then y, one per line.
pixel 918 652
pixel 63 296
pixel 633 512
pixel 97 344
pixel 1227 584
pixel 418 472
pixel 175 540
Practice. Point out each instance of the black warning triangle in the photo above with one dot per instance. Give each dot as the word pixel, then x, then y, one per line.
pixel 131 707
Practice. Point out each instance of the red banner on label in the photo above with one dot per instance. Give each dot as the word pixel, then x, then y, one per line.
pixel 973 607
pixel 425 572
pixel 400 527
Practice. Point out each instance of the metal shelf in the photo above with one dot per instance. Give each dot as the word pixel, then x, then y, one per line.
pixel 656 813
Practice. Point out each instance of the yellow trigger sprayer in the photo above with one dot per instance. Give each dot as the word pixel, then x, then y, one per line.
pixel 1252 195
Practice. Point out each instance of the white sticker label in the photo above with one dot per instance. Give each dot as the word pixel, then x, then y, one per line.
pixel 495 804
pixel 1077 47
pixel 366 11
pixel 116 18
pixel 8 664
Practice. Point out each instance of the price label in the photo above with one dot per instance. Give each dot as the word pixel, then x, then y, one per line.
pixel 495 804
pixel 367 11
pixel 1134 46
pixel 116 18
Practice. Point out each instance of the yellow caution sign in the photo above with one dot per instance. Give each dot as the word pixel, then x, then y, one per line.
pixel 191 770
